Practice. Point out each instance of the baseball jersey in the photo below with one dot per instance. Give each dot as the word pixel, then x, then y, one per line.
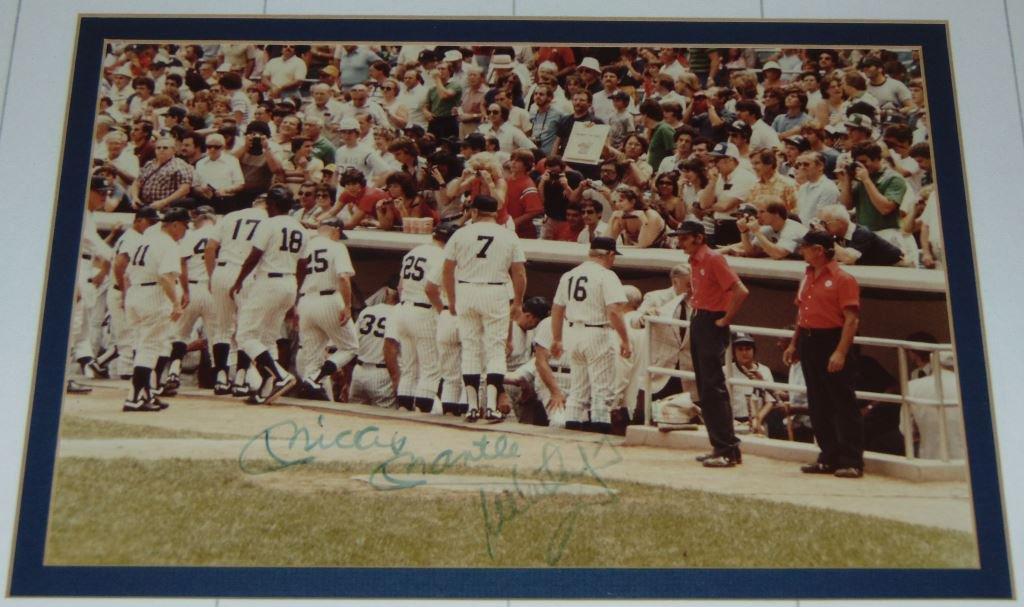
pixel 374 327
pixel 193 245
pixel 586 290
pixel 483 253
pixel 326 260
pixel 542 336
pixel 522 346
pixel 435 274
pixel 155 254
pixel 417 267
pixel 92 244
pixel 283 241
pixel 126 243
pixel 235 233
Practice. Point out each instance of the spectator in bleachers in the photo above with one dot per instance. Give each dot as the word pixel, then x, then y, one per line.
pixel 509 137
pixel 633 223
pixel 770 183
pixel 728 186
pixel 871 189
pixel 556 187
pixel 114 156
pixel 770 232
pixel 593 226
pixel 544 118
pixel 816 191
pixel 788 123
pixel 855 244
pixel 662 135
pixel 522 201
pixel 443 97
pixel 164 180
pixel 761 134
pixel 684 136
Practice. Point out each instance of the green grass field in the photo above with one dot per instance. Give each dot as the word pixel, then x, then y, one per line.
pixel 73 426
pixel 126 511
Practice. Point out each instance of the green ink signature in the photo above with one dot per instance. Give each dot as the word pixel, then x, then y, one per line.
pixel 501 509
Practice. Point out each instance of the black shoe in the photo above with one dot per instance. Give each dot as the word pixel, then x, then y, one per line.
pixel 705 457
pixel 473 416
pixel 165 390
pixel 240 391
pixel 578 426
pixel 96 371
pixel 818 468
pixel 74 387
pixel 131 406
pixel 461 409
pixel 222 389
pixel 313 391
pixel 159 403
pixel 620 419
pixel 447 408
pixel 173 382
pixel 734 455
pixel 255 399
pixel 493 417
pixel 849 472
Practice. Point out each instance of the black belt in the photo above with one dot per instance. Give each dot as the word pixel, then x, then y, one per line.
pixel 146 284
pixel 601 326
pixel 222 263
pixel 493 284
pixel 86 256
pixel 560 370
pixel 277 275
pixel 378 365
pixel 195 282
pixel 328 292
pixel 420 304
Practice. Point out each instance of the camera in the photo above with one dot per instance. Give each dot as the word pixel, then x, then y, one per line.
pixel 256 146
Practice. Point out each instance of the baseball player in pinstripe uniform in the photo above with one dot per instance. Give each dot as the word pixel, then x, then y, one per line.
pixel 325 308
pixel 480 259
pixel 224 254
pixel 449 348
pixel 416 323
pixel 195 283
pixel 374 378
pixel 122 332
pixel 278 245
pixel 591 298
pixel 151 301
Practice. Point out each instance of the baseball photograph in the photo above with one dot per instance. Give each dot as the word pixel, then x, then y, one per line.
pixel 479 305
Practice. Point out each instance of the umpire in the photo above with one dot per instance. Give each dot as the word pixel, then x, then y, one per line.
pixel 828 306
pixel 717 294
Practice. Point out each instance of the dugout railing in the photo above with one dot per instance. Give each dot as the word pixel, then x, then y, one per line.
pixel 902 398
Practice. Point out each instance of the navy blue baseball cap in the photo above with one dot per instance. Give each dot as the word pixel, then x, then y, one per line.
pixel 603 243
pixel 688 227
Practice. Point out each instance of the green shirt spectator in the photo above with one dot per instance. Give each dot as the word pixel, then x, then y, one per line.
pixel 888 183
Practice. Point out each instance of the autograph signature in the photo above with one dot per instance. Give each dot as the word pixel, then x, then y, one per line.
pixel 501 509
pixel 288 444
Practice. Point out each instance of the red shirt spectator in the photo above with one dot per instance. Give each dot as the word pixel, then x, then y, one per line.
pixel 366 201
pixel 821 299
pixel 712 278
pixel 562 56
pixel 522 198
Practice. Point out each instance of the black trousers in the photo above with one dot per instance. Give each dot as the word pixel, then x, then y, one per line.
pixel 707 347
pixel 835 417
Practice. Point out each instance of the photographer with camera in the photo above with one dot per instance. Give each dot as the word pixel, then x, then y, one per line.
pixel 768 230
pixel 872 190
pixel 259 166
pixel 556 187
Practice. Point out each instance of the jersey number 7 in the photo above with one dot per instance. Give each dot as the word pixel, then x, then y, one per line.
pixel 487 240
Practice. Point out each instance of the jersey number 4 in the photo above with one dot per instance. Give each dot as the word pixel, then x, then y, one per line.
pixel 578 292
pixel 369 322
pixel 413 269
pixel 291 240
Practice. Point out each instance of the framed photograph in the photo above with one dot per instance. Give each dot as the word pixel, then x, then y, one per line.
pixel 511 308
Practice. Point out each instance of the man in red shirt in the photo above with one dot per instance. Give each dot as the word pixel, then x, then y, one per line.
pixel 354 190
pixel 522 201
pixel 570 230
pixel 716 296
pixel 828 313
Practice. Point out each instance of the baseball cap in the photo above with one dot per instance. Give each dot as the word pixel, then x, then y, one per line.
pixel 348 124
pixel 688 227
pixel 330 70
pixel 125 70
pixel 742 338
pixel 100 184
pixel 859 121
pixel 452 55
pixel 474 140
pixel 739 126
pixel 335 222
pixel 414 129
pixel 603 243
pixel 620 96
pixel 427 55
pixel 175 214
pixel 835 129
pixel 501 62
pixel 147 213
pixel 771 65
pixel 484 203
pixel 818 238
pixel 205 210
pixel 746 209
pixel 725 150
pixel 444 230
pixel 331 168
pixel 799 141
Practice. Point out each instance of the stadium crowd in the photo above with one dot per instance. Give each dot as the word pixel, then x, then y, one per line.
pixel 753 143
pixel 758 146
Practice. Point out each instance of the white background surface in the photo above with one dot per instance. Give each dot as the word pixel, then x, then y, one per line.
pixel 36 40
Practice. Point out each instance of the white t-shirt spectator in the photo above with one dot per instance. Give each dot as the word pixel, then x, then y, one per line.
pixel 509 137
pixel 283 72
pixel 811 196
pixel 736 185
pixel 220 174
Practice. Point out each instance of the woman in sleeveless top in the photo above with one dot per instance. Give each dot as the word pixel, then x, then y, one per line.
pixel 633 223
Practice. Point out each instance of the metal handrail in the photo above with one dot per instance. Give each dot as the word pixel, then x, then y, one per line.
pixel 902 398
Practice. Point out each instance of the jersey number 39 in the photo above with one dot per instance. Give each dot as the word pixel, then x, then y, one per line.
pixel 369 322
